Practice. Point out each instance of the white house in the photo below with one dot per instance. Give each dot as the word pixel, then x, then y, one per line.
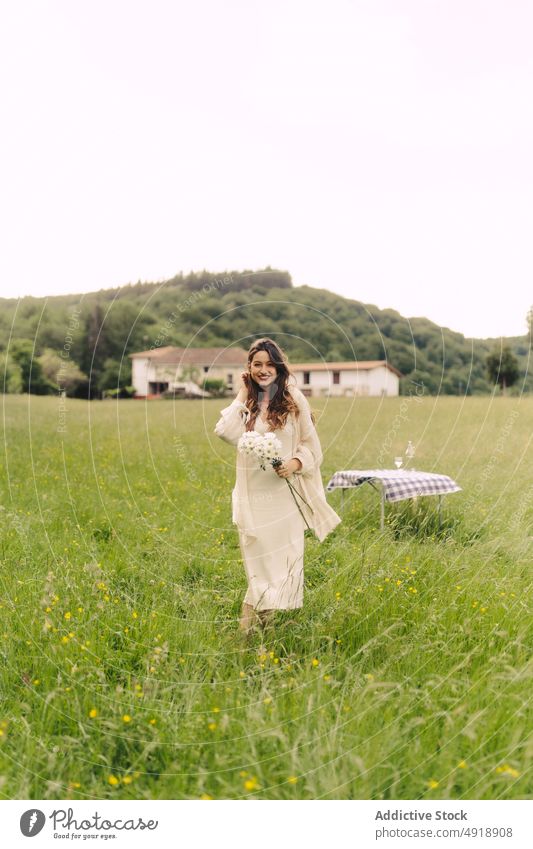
pixel 169 368
pixel 366 377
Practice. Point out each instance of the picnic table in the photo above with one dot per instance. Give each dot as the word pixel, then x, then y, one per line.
pixel 395 485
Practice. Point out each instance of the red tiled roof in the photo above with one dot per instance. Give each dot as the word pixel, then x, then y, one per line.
pixel 356 365
pixel 195 356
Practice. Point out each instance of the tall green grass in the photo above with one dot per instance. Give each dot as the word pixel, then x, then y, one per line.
pixel 407 674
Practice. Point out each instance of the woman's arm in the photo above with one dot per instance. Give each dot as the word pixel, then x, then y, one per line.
pixel 231 424
pixel 308 451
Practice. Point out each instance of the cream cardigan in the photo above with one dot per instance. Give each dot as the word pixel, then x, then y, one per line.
pixel 307 480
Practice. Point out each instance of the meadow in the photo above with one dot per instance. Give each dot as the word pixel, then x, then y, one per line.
pixel 407 674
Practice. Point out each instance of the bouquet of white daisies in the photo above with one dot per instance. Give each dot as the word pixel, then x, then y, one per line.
pixel 266 448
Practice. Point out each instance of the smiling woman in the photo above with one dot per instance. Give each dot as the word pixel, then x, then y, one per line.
pixel 270 519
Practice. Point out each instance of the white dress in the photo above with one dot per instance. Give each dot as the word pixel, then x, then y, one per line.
pixel 274 559
pixel 269 523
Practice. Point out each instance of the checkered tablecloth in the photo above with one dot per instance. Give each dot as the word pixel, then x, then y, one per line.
pixel 397 483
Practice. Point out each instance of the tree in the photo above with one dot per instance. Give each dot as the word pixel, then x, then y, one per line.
pixel 33 379
pixel 502 367
pixel 115 375
pixel 64 374
pixel 110 333
pixel 10 375
pixel 96 348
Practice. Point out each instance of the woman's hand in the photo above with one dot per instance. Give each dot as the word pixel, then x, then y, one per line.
pixel 242 394
pixel 288 468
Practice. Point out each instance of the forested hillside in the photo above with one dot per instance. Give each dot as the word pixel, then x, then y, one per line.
pixel 90 335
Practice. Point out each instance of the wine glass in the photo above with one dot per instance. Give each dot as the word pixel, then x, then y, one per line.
pixel 410 453
pixel 398 462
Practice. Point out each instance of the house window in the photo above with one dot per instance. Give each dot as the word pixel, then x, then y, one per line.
pixel 157 387
pixel 336 377
pixel 206 368
pixel 230 380
pixel 307 378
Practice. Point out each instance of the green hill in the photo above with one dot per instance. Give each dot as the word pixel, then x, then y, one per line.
pixel 97 331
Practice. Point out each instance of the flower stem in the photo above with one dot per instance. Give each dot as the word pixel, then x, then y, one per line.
pixel 299 495
pixel 277 462
pixel 292 489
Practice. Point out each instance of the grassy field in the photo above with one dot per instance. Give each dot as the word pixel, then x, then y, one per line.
pixel 407 675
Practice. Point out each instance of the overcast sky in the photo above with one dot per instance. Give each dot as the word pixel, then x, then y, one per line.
pixel 381 149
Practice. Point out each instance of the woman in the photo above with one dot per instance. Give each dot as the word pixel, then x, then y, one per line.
pixel 270 519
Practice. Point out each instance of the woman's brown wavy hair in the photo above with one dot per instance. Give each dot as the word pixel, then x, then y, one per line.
pixel 282 403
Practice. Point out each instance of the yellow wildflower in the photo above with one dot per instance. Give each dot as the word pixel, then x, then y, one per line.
pixel 508 770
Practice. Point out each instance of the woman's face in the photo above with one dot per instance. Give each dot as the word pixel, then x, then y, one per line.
pixel 262 369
